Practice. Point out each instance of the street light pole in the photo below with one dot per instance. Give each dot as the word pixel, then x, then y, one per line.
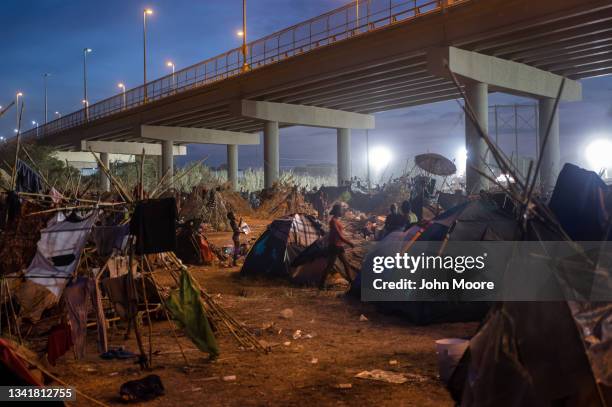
pixel 170 64
pixel 245 64
pixel 145 12
pixel 122 87
pixel 45 76
pixel 85 52
pixel 35 123
pixel 17 96
pixel 58 114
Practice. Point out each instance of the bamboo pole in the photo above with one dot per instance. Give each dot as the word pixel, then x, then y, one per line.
pixel 115 182
pixel 17 146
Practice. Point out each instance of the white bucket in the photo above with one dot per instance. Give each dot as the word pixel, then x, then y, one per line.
pixel 449 351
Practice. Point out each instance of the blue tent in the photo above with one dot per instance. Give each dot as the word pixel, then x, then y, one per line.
pixel 280 244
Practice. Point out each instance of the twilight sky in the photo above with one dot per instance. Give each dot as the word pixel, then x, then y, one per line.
pixel 41 36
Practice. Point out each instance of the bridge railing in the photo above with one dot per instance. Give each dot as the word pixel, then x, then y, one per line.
pixel 337 25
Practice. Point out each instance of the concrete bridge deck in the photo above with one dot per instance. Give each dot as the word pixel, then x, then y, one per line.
pixel 375 64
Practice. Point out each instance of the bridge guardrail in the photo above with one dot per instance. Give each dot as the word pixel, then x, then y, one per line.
pixel 337 25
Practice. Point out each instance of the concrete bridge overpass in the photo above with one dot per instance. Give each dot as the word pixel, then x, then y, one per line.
pixel 336 70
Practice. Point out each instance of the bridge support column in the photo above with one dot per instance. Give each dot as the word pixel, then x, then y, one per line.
pixel 271 154
pixel 104 181
pixel 551 154
pixel 232 165
pixel 167 158
pixel 477 151
pixel 343 149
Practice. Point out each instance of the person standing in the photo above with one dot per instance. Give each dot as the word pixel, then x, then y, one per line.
pixel 336 246
pixel 409 217
pixel 235 236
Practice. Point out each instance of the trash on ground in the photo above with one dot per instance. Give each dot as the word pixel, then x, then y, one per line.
pixel 383 376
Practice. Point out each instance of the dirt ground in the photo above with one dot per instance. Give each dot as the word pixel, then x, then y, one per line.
pixel 303 371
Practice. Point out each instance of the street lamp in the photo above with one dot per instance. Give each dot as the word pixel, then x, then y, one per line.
pixel 45 76
pixel 243 34
pixel 121 86
pixel 146 12
pixel 58 114
pixel 17 96
pixel 85 52
pixel 35 123
pixel 86 104
pixel 170 64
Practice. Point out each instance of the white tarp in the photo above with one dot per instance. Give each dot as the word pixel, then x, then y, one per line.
pixel 58 252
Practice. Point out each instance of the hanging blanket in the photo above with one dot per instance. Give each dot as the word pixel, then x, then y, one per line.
pixel 186 307
pixel 58 252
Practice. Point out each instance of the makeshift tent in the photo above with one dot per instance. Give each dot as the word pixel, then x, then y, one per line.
pixel 548 353
pixel 280 244
pixel 58 251
pixel 578 202
pixel 187 245
pixel 308 267
pixel 56 259
pixel 477 220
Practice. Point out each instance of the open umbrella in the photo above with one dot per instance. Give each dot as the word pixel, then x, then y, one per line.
pixel 435 164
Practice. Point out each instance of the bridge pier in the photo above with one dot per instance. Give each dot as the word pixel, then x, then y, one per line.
pixel 272 113
pixel 479 72
pixel 477 94
pixel 232 166
pixel 167 155
pixel 343 148
pixel 551 155
pixel 104 180
pixel 271 154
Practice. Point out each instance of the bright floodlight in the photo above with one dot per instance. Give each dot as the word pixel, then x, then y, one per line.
pixel 460 160
pixel 505 179
pixel 19 94
pixel 88 50
pixel 170 64
pixel 121 85
pixel 148 11
pixel 240 33
pixel 380 158
pixel 599 154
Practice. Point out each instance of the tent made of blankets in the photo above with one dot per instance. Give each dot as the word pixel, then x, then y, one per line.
pixel 309 265
pixel 57 256
pixel 280 244
pixel 477 220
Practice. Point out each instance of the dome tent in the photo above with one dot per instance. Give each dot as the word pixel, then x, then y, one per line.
pixel 283 240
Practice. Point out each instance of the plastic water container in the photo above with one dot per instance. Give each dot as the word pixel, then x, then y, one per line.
pixel 449 351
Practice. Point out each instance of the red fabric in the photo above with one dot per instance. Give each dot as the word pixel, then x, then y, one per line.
pixel 16 364
pixel 205 251
pixel 59 341
pixel 336 238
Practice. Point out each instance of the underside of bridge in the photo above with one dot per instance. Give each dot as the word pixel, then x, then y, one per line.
pixel 385 69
